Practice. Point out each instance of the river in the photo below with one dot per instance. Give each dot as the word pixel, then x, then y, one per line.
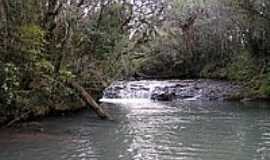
pixel 148 130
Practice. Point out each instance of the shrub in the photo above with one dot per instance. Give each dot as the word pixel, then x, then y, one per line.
pixel 242 67
pixel 9 85
pixel 265 87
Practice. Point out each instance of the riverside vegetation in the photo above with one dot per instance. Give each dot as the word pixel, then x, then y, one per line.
pixel 46 44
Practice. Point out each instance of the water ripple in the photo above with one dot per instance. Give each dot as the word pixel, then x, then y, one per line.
pixel 147 130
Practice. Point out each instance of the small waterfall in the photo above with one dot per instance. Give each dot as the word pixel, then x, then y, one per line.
pixel 132 89
pixel 169 90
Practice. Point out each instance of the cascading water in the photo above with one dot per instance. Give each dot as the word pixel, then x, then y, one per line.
pixel 170 90
pixel 133 89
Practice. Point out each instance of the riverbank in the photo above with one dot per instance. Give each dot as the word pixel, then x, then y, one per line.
pixel 160 90
pixel 5 121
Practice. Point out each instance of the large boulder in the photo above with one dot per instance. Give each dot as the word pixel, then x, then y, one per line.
pixel 163 94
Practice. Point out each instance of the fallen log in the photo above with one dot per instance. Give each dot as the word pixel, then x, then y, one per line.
pixel 18 119
pixel 90 101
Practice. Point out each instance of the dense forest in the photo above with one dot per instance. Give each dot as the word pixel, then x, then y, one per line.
pixel 45 44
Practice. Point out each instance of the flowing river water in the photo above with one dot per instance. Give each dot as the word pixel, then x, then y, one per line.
pixel 144 129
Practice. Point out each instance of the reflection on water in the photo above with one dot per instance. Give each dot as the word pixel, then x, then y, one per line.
pixel 147 130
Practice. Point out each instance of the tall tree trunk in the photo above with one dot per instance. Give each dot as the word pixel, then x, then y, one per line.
pixel 5 10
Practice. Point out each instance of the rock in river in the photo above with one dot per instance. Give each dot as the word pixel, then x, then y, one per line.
pixel 173 89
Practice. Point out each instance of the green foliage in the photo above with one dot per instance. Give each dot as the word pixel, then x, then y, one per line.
pixel 106 33
pixel 32 39
pixel 66 75
pixel 242 67
pixel 214 71
pixel 44 66
pixel 8 83
pixel 265 86
pixel 36 60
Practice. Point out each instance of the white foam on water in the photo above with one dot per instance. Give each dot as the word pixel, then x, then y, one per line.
pixel 140 89
pixel 125 100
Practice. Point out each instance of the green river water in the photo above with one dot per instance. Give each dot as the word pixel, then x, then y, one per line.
pixel 147 130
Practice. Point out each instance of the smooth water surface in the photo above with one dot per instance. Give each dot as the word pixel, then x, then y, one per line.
pixel 147 130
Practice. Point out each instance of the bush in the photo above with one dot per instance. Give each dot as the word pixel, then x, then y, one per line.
pixel 265 87
pixel 8 83
pixel 242 67
pixel 213 71
pixel 32 38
